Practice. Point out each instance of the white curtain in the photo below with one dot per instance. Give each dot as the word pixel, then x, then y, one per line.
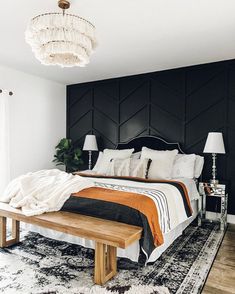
pixel 4 140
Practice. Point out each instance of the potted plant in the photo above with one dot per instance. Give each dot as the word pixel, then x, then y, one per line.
pixel 68 155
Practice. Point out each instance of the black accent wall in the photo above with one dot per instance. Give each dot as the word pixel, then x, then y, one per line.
pixel 180 105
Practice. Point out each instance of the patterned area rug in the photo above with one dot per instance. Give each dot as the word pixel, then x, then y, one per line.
pixel 42 265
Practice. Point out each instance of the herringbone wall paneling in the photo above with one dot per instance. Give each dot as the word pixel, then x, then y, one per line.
pixel 180 105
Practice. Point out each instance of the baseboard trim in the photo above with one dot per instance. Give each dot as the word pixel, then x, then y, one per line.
pixel 211 215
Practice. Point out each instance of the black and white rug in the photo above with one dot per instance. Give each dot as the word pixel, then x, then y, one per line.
pixel 40 265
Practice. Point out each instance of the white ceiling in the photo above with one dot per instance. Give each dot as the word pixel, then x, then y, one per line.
pixel 135 36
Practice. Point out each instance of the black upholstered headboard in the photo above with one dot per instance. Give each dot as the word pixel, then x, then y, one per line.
pixel 149 142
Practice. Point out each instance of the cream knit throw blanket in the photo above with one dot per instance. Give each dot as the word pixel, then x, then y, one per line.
pixel 43 191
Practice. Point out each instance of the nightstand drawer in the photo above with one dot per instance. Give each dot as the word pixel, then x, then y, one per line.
pixel 212 189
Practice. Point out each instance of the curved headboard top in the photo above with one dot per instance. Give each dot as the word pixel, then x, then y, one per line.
pixel 152 142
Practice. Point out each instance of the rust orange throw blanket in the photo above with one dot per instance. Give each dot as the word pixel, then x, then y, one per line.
pixel 135 179
pixel 140 202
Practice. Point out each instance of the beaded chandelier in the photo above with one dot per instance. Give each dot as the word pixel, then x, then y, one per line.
pixel 61 39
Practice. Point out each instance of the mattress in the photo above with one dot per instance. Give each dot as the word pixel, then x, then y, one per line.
pixel 132 252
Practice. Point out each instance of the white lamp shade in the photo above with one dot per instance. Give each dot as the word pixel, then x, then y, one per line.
pixel 90 143
pixel 214 143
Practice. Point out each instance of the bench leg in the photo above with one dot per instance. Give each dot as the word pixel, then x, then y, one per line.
pixel 105 263
pixel 3 232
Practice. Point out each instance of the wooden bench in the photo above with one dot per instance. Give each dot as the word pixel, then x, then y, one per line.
pixel 108 235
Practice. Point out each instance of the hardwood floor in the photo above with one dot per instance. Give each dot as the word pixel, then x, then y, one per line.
pixel 221 279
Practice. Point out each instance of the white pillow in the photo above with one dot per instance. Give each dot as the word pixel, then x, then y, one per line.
pixel 98 162
pixel 199 162
pixel 129 167
pixel 136 155
pixel 162 162
pixel 184 166
pixel 109 154
pixel 139 168
pixel 119 167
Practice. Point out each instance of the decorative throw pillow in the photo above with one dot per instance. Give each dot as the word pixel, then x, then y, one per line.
pixel 139 167
pixel 119 167
pixel 184 166
pixel 98 162
pixel 199 162
pixel 162 162
pixel 109 154
pixel 136 155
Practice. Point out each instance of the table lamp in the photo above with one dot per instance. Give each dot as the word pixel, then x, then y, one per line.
pixel 214 145
pixel 90 145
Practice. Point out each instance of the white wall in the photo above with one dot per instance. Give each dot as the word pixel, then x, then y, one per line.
pixel 37 119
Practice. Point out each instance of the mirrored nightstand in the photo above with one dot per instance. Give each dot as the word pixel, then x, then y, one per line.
pixel 214 190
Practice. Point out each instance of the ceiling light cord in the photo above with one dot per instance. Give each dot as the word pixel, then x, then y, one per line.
pixel 63 4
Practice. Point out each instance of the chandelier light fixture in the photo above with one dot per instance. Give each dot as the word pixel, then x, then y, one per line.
pixel 61 39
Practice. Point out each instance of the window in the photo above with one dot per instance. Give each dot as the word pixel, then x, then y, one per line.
pixel 4 140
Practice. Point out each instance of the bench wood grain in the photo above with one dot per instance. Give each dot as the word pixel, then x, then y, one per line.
pixel 108 235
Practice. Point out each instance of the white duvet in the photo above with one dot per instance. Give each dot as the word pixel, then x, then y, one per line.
pixel 47 190
pixel 43 191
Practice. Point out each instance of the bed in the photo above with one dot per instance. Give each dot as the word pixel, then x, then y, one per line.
pixel 133 251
